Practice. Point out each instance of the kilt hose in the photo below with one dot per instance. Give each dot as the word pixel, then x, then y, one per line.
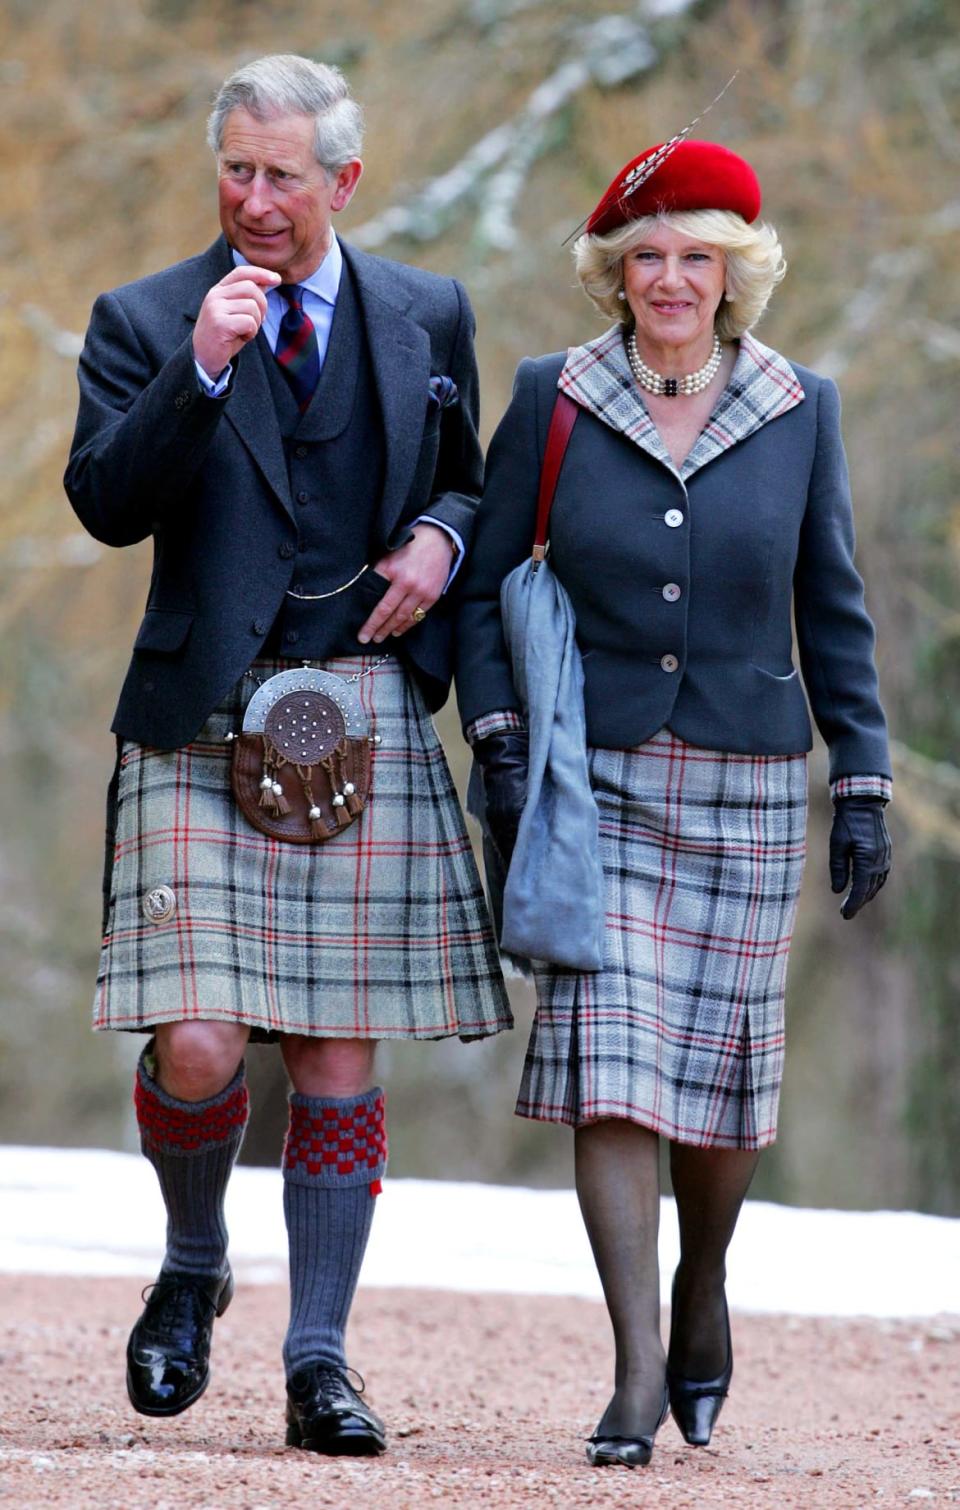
pixel 682 1030
pixel 381 932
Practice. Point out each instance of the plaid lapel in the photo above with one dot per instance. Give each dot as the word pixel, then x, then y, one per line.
pixel 762 386
pixel 597 376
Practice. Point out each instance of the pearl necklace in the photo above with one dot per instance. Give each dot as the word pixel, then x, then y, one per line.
pixel 670 387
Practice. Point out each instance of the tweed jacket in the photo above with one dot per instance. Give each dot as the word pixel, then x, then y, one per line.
pixel 683 579
pixel 207 478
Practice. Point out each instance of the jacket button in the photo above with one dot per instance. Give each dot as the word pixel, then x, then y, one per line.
pixel 303 497
pixel 260 626
pixel 669 663
pixel 286 550
pixel 673 518
pixel 182 399
pixel 671 592
pixel 301 453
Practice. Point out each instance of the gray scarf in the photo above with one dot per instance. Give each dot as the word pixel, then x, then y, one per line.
pixel 553 896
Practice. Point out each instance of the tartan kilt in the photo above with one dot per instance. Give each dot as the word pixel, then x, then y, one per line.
pixel 682 1030
pixel 381 932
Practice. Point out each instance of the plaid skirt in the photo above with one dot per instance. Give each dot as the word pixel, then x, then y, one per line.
pixel 682 1030
pixel 382 932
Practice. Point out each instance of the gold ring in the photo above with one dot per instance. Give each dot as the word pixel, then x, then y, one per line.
pixel 418 615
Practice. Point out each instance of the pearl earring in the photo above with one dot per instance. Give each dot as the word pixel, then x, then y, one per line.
pixel 622 295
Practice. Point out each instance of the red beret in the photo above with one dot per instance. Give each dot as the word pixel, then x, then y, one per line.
pixel 692 176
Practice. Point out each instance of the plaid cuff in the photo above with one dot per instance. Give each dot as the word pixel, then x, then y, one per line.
pixel 862 786
pixel 497 722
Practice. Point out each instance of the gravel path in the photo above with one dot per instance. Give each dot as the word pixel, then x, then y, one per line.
pixel 487 1399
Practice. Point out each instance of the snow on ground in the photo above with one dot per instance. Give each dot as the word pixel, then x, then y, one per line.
pixel 92 1212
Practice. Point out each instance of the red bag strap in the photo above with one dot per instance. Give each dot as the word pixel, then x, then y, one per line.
pixel 562 421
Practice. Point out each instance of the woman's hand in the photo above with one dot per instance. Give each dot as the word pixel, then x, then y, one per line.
pixel 859 851
pixel 503 760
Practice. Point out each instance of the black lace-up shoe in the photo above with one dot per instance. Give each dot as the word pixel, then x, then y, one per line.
pixel 168 1355
pixel 326 1414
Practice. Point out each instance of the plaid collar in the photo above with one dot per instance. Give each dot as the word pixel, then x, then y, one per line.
pixel 762 386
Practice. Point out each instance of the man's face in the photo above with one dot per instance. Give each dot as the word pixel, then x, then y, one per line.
pixel 275 199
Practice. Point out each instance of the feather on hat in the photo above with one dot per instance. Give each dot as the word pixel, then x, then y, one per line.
pixel 677 175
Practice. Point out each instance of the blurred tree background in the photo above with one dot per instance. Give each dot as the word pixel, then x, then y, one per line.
pixel 492 127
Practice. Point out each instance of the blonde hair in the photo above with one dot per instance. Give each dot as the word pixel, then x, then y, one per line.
pixel 752 254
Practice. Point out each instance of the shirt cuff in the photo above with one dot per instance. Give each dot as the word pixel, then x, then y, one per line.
pixel 500 721
pixel 456 539
pixel 214 389
pixel 862 786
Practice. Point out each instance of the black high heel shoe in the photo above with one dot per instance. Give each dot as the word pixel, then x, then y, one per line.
pixel 696 1403
pixel 625 1452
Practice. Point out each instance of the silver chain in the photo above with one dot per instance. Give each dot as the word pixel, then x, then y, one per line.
pixel 349 680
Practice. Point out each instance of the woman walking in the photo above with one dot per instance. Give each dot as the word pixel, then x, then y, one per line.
pixel 703 497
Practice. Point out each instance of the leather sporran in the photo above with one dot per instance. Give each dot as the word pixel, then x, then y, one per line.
pixel 301 766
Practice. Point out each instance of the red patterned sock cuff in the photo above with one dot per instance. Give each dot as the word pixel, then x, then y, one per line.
pixel 336 1142
pixel 188 1127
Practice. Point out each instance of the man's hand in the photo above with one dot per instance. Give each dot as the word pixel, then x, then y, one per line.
pixel 418 573
pixel 859 851
pixel 230 316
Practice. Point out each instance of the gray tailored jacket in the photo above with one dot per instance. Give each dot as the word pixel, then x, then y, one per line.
pixel 683 580
pixel 207 478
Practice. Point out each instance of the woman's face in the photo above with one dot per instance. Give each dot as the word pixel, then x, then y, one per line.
pixel 674 285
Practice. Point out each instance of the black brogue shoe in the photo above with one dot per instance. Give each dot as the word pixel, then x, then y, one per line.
pixel 168 1355
pixel 326 1414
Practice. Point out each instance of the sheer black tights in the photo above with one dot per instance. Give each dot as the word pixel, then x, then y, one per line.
pixel 618 1186
pixel 710 1185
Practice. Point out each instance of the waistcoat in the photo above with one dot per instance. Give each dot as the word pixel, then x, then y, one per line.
pixel 335 462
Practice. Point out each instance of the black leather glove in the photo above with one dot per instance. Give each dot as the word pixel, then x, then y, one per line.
pixel 502 759
pixel 859 850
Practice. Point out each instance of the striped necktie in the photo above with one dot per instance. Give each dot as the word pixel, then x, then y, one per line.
pixel 296 349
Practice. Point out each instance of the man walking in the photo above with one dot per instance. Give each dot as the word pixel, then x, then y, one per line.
pixel 294 424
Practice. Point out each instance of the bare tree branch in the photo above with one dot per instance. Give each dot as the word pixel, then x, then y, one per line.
pixel 885 273
pixel 606 52
pixel 934 106
pixel 940 342
pixel 63 342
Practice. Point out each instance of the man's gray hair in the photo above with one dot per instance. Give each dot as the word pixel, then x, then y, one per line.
pixel 286 84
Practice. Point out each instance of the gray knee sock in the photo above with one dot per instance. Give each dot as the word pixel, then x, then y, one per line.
pixel 193 1146
pixel 333 1161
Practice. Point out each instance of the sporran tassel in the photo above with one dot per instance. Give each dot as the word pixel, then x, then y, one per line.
pixel 333 765
pixel 318 827
pixel 345 785
pixel 267 799
pixel 271 791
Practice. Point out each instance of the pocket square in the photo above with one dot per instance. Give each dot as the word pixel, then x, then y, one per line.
pixel 443 392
